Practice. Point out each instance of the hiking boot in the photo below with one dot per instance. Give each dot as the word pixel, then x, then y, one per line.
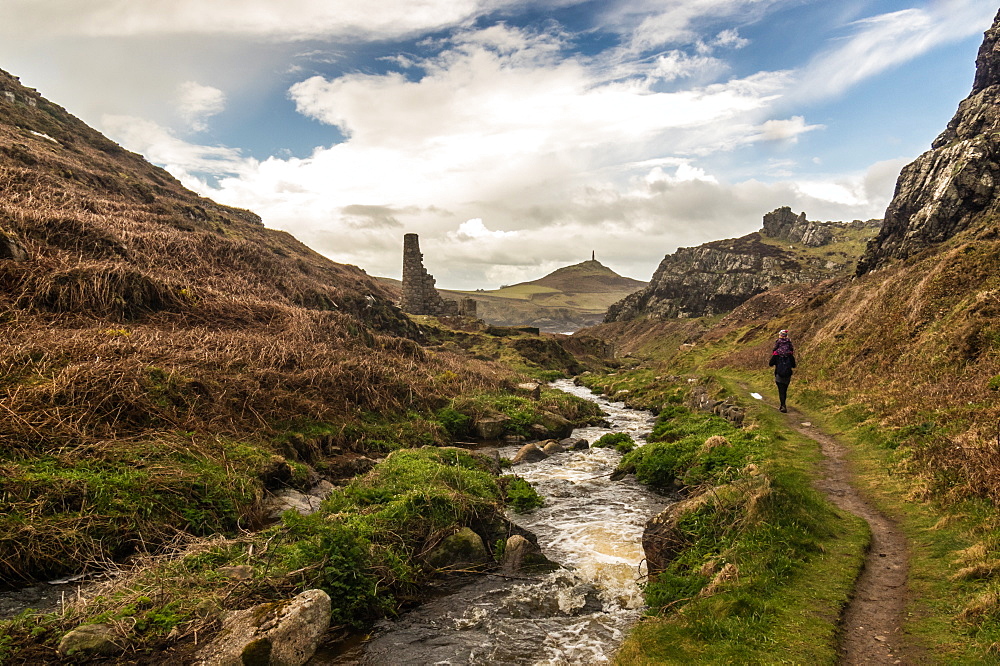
pixel 782 409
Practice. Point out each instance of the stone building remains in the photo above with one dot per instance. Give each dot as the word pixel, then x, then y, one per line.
pixel 419 294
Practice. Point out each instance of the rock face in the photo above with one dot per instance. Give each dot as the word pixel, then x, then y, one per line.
pixel 662 539
pixel 783 224
pixel 717 277
pixel 285 633
pixel 11 248
pixel 945 190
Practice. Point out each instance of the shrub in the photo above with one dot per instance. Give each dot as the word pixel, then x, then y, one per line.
pixel 455 422
pixel 621 442
pixel 520 494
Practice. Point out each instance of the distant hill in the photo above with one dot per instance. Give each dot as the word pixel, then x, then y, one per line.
pixel 565 300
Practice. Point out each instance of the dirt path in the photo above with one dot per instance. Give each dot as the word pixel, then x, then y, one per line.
pixel 871 627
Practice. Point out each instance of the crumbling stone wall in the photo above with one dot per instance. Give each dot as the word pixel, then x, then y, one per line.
pixel 419 294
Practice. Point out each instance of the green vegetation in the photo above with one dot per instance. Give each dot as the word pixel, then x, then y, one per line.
pixel 366 547
pixel 621 442
pixel 521 496
pixel 755 549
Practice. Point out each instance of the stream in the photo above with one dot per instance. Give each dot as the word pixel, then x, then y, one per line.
pixel 577 615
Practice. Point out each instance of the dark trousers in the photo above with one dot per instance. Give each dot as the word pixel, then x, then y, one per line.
pixel 782 392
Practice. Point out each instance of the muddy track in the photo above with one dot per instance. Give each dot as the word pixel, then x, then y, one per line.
pixel 871 626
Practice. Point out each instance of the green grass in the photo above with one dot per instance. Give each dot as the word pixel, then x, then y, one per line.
pixel 621 442
pixel 937 534
pixel 366 547
pixel 795 555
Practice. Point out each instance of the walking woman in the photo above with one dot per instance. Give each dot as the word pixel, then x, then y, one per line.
pixel 783 361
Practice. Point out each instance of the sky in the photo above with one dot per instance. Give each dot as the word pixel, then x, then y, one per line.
pixel 514 136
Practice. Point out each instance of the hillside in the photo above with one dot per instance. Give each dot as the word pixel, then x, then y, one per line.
pixel 716 277
pixel 899 366
pixel 166 361
pixel 565 300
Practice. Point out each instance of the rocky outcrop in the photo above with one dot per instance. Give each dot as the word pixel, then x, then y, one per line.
pixel 783 224
pixel 708 279
pixel 717 277
pixel 11 248
pixel 663 539
pixel 954 185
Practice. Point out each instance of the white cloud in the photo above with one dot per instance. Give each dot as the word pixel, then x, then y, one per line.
pixel 655 23
pixel 286 20
pixel 475 229
pixel 197 103
pixel 784 130
pixel 887 40
pixel 184 160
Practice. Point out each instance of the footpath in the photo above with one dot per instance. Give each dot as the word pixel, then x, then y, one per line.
pixel 871 626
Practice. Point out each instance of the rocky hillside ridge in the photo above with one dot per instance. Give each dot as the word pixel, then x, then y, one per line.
pixel 718 276
pixel 953 185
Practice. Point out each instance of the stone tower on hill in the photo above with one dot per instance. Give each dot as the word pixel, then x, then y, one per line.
pixel 419 294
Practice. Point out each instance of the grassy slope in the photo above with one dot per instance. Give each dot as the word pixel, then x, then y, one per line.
pixel 902 366
pixel 166 360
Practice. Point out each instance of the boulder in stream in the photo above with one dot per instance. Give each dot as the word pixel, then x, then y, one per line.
pixel 521 555
pixel 528 453
pixel 575 444
pixel 552 446
pixel 285 633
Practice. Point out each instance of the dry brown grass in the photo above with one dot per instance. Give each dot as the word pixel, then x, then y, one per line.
pixel 153 329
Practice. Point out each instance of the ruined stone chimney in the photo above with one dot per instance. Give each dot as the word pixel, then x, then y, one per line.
pixel 419 294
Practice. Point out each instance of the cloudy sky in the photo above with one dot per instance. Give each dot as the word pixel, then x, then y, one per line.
pixel 515 136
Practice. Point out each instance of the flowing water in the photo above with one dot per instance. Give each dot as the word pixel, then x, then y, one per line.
pixel 578 615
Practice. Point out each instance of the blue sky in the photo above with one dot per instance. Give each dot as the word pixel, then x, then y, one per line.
pixel 513 136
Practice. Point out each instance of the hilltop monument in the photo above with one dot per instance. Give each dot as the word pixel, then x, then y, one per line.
pixel 419 294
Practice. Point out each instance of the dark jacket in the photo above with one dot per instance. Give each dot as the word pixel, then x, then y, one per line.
pixel 782 364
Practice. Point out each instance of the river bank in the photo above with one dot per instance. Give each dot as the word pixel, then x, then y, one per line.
pixel 590 525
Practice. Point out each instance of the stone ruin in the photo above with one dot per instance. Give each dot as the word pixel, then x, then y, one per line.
pixel 419 294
